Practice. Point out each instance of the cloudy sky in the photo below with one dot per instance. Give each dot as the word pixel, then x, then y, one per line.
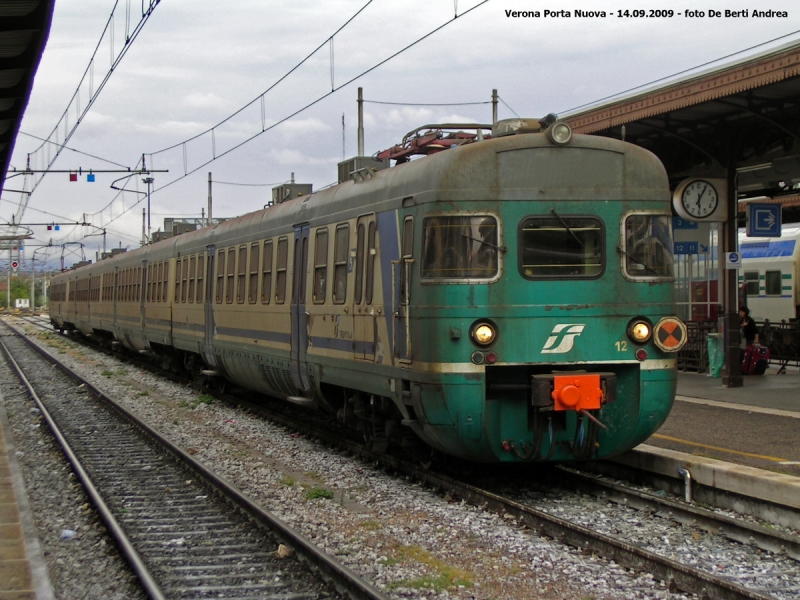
pixel 197 62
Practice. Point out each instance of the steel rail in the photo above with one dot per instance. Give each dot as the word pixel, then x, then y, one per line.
pixel 733 529
pixel 346 580
pixel 685 577
pixel 126 547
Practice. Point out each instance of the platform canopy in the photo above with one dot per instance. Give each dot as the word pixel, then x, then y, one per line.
pixel 745 115
pixel 24 27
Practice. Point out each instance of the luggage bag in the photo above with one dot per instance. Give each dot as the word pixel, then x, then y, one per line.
pixel 756 360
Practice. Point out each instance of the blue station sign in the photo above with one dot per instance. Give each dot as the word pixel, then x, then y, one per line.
pixel 763 220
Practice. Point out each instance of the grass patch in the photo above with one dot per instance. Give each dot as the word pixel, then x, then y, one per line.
pixel 371 525
pixel 122 372
pixel 201 399
pixel 288 480
pixel 446 576
pixel 144 393
pixel 106 373
pixel 318 492
pixel 314 476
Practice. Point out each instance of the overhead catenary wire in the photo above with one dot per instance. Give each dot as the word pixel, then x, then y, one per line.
pixel 148 6
pixel 307 106
pixel 260 97
pixel 427 103
pixel 111 162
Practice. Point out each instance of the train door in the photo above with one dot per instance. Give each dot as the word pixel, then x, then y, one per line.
pixel 402 285
pixel 299 320
pixel 363 312
pixel 208 306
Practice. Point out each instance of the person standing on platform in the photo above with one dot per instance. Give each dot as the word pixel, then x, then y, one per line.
pixel 748 326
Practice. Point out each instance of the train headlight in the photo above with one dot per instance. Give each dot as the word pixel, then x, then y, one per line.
pixel 559 133
pixel 640 331
pixel 483 333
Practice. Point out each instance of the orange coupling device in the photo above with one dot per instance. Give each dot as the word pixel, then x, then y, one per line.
pixel 577 392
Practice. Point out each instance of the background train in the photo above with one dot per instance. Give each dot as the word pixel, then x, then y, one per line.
pixel 770 273
pixel 506 298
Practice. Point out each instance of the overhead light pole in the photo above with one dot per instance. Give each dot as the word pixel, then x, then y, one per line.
pixel 149 182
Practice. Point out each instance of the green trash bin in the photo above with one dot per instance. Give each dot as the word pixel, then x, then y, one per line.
pixel 716 354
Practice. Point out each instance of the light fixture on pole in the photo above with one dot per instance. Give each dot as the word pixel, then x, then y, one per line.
pixel 149 182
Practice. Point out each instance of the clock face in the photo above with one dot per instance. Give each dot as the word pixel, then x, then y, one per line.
pixel 700 199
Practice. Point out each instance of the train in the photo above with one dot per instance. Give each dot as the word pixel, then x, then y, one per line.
pixel 770 273
pixel 501 296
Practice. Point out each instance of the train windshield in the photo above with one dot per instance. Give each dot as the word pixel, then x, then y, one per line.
pixel 648 246
pixel 460 247
pixel 561 246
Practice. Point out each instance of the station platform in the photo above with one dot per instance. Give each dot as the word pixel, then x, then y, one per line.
pixel 757 425
pixel 23 572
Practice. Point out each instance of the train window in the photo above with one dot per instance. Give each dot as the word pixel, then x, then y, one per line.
pixel 200 276
pixel 359 263
pixel 178 280
pixel 266 273
pixel 280 277
pixel 320 265
pixel 751 283
pixel 372 253
pixel 459 247
pixel 241 278
pixel 340 256
pixel 773 283
pixel 648 246
pixel 220 276
pixel 254 266
pixel 561 246
pixel 185 274
pixel 192 275
pixel 230 271
pixel 165 286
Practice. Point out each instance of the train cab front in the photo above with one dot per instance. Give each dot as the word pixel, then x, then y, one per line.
pixel 592 406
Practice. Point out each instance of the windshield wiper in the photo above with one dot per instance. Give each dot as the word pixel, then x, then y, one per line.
pixel 500 248
pixel 564 223
pixel 636 260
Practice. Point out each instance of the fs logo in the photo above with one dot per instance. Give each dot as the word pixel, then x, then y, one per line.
pixel 562 338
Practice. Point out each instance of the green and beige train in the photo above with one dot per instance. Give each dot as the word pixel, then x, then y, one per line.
pixel 507 299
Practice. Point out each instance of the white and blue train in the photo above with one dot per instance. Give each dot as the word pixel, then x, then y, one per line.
pixel 770 273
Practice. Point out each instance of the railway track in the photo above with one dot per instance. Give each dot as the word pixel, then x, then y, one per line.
pixel 185 531
pixel 738 560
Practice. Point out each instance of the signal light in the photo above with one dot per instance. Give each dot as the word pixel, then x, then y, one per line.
pixel 49 228
pixel 14 264
pixel 90 178
pixel 73 177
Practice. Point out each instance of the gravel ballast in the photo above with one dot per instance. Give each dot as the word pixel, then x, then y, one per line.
pixel 396 533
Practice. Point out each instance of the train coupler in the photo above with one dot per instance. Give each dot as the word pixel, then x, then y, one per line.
pixel 573 390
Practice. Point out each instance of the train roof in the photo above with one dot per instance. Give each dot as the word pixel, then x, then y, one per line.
pixel 497 169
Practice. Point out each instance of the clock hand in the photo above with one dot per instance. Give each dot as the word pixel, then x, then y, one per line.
pixel 701 195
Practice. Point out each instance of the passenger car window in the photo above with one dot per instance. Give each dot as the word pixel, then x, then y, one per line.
pixel 255 264
pixel 266 273
pixel 751 283
pixel 220 276
pixel 280 278
pixel 340 257
pixel 320 265
pixel 773 283
pixel 648 246
pixel 459 247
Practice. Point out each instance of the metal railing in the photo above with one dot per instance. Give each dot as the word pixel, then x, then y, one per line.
pixel 694 354
pixel 783 341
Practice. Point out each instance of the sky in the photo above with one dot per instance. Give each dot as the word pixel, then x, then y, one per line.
pixel 196 62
